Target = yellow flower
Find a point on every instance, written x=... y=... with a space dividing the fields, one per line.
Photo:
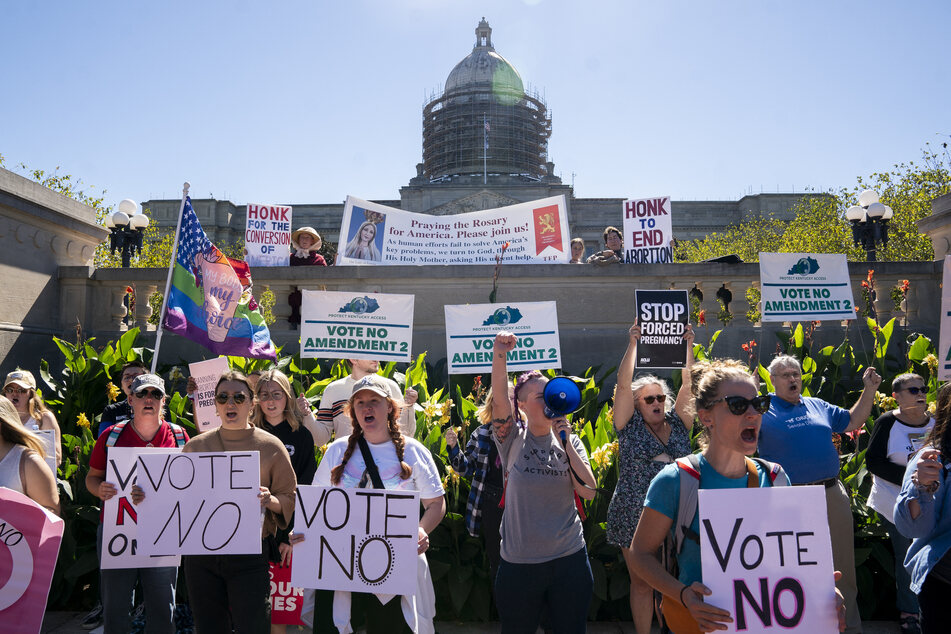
x=932 y=362
x=82 y=421
x=176 y=373
x=932 y=407
x=112 y=391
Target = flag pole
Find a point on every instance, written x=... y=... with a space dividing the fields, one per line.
x=485 y=152
x=168 y=279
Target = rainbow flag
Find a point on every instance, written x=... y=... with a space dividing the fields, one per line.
x=210 y=299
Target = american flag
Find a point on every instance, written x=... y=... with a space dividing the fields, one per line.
x=192 y=240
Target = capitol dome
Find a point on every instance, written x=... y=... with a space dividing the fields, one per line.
x=484 y=122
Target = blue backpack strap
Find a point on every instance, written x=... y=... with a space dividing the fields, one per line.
x=179 y=435
x=115 y=433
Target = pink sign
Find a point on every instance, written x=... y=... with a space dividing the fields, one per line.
x=286 y=602
x=29 y=543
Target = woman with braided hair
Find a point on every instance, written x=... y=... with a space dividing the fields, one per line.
x=403 y=463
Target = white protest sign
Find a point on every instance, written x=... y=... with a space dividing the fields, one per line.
x=944 y=340
x=767 y=557
x=662 y=316
x=471 y=330
x=362 y=540
x=535 y=232
x=206 y=375
x=267 y=235
x=120 y=517
x=356 y=325
x=648 y=230
x=805 y=287
x=200 y=503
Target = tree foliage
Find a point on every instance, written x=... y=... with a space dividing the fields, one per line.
x=820 y=225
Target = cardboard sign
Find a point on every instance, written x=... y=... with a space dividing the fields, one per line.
x=286 y=600
x=805 y=287
x=354 y=325
x=535 y=231
x=767 y=556
x=267 y=235
x=662 y=316
x=29 y=544
x=206 y=374
x=200 y=503
x=120 y=529
x=648 y=230
x=944 y=340
x=471 y=330
x=362 y=540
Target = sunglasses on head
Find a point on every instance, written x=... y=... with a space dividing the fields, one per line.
x=149 y=393
x=915 y=390
x=738 y=405
x=237 y=397
x=660 y=398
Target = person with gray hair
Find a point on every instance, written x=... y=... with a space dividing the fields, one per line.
x=652 y=431
x=797 y=433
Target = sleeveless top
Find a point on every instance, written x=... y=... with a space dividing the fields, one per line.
x=10 y=469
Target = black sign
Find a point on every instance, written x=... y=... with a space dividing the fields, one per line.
x=663 y=317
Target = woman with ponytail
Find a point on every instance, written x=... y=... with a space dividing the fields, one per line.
x=403 y=463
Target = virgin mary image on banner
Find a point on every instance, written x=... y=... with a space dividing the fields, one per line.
x=366 y=237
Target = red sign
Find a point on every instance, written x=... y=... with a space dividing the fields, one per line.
x=547 y=228
x=29 y=543
x=286 y=602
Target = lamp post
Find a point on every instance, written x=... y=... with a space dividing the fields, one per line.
x=869 y=221
x=126 y=227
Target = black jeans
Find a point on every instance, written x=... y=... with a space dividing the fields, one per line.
x=563 y=586
x=229 y=592
x=933 y=600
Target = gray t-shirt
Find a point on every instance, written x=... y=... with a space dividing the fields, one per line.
x=540 y=522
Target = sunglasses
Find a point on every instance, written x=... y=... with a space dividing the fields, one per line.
x=270 y=396
x=915 y=390
x=738 y=405
x=149 y=394
x=237 y=397
x=660 y=398
x=13 y=389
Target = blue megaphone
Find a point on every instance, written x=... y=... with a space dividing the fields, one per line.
x=562 y=396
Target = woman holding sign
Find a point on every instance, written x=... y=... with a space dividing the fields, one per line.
x=920 y=514
x=652 y=431
x=396 y=462
x=727 y=403
x=544 y=558
x=232 y=591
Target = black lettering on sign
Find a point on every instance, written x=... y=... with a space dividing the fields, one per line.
x=347 y=570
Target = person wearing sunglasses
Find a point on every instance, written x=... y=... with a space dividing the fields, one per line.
x=727 y=403
x=896 y=437
x=145 y=429
x=652 y=431
x=20 y=389
x=797 y=433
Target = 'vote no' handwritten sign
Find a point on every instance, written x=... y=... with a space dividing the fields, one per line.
x=200 y=503
x=767 y=557
x=362 y=540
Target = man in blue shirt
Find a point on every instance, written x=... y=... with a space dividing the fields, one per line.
x=797 y=433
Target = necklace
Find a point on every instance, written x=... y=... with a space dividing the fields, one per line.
x=147 y=441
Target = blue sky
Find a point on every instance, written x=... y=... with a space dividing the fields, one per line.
x=307 y=102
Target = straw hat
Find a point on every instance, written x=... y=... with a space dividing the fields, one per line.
x=309 y=231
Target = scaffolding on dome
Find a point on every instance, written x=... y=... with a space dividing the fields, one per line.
x=457 y=143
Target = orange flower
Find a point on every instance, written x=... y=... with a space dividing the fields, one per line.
x=702 y=318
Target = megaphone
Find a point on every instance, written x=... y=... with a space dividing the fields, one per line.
x=562 y=396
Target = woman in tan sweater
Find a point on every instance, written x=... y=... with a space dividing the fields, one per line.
x=231 y=592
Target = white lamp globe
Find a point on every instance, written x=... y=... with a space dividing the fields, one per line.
x=876 y=210
x=120 y=219
x=854 y=213
x=128 y=207
x=868 y=197
x=888 y=213
x=107 y=222
x=140 y=221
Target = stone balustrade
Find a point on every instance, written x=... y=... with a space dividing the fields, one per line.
x=595 y=304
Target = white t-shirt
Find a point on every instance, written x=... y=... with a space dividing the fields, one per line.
x=425 y=476
x=903 y=443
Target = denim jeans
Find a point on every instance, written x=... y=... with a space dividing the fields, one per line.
x=563 y=586
x=116 y=586
x=906 y=600
x=229 y=592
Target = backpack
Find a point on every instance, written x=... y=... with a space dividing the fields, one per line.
x=677 y=617
x=118 y=427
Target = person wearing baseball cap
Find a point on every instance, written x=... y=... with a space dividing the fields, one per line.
x=20 y=389
x=145 y=429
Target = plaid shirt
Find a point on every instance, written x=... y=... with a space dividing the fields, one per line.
x=474 y=462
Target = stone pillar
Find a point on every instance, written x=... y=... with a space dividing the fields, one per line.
x=938 y=226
